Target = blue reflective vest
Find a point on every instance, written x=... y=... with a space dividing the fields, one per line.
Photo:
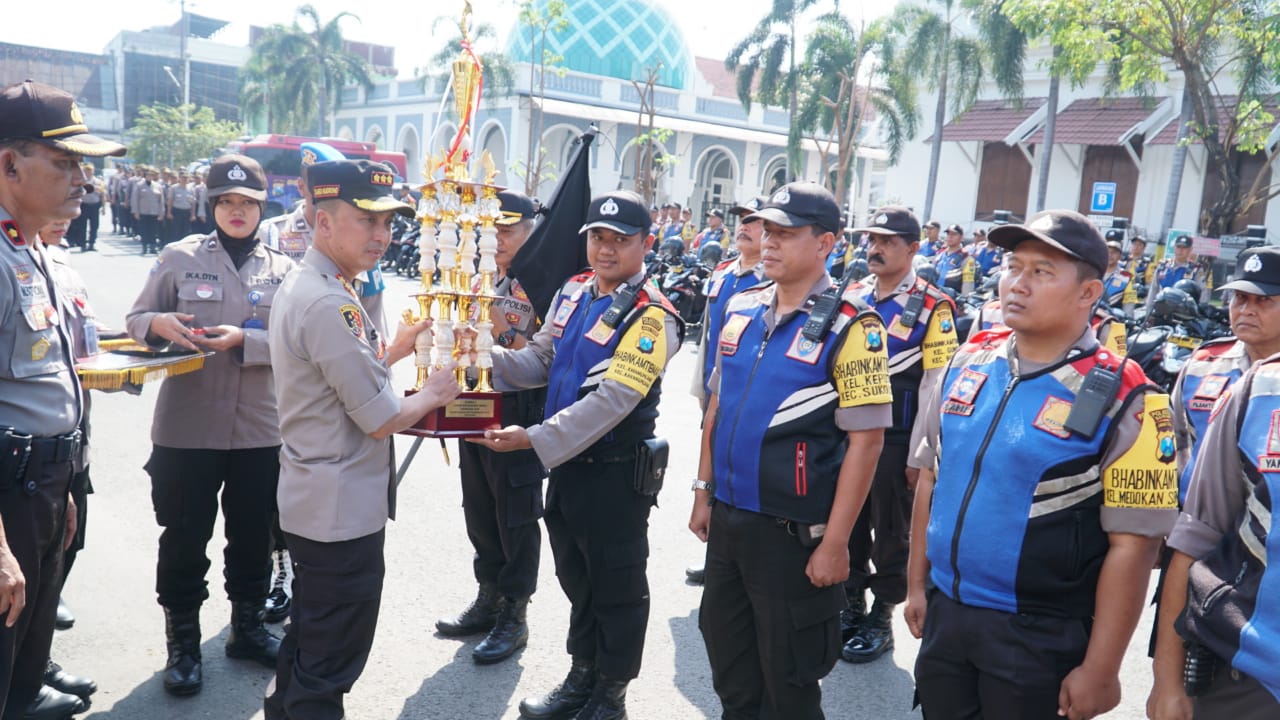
x=725 y=282
x=1014 y=524
x=1210 y=371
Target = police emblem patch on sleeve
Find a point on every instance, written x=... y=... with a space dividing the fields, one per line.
x=354 y=320
x=873 y=334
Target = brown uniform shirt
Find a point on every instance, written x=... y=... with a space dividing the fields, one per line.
x=231 y=402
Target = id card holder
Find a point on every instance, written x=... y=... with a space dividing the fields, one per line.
x=1096 y=394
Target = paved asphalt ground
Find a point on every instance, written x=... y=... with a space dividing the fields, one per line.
x=413 y=674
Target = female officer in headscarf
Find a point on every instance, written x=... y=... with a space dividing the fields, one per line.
x=215 y=430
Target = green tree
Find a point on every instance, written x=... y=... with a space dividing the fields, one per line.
x=946 y=60
x=539 y=18
x=848 y=77
x=1209 y=43
x=497 y=71
x=764 y=64
x=162 y=135
x=295 y=74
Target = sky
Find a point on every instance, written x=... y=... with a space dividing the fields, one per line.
x=710 y=28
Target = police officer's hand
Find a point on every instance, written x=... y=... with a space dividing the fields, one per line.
x=509 y=438
x=172 y=327
x=913 y=475
x=13 y=587
x=1087 y=692
x=220 y=338
x=72 y=522
x=1169 y=703
x=916 y=609
x=406 y=336
x=700 y=518
x=442 y=386
x=829 y=563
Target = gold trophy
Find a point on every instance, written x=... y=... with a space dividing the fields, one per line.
x=458 y=217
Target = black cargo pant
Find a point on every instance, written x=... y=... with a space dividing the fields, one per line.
x=599 y=531
x=977 y=663
x=882 y=534
x=337 y=593
x=501 y=503
x=770 y=634
x=1235 y=696
x=185 y=484
x=34 y=510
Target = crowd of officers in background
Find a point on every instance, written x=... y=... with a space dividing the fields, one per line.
x=157 y=205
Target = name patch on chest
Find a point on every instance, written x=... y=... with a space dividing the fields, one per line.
x=731 y=333
x=803 y=349
x=1053 y=416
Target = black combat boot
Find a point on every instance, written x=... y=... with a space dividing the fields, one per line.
x=248 y=639
x=183 y=674
x=51 y=704
x=876 y=637
x=696 y=575
x=853 y=618
x=510 y=633
x=276 y=608
x=565 y=699
x=608 y=701
x=61 y=680
x=479 y=616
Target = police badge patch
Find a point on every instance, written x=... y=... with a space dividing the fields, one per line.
x=804 y=349
x=354 y=320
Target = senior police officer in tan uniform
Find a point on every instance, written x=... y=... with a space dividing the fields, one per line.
x=502 y=492
x=42 y=138
x=215 y=431
x=337 y=413
x=602 y=355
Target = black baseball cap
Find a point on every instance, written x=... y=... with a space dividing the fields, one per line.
x=34 y=111
x=1114 y=234
x=1068 y=231
x=516 y=206
x=799 y=204
x=621 y=211
x=893 y=220
x=717 y=212
x=954 y=228
x=1182 y=241
x=363 y=183
x=1115 y=245
x=1138 y=239
x=749 y=207
x=1257 y=271
x=237 y=174
x=933 y=224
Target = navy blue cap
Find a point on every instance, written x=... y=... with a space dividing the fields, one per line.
x=800 y=204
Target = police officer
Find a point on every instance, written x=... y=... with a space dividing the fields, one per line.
x=956 y=267
x=1117 y=283
x=332 y=372
x=602 y=355
x=931 y=246
x=1137 y=263
x=1055 y=480
x=146 y=202
x=42 y=138
x=502 y=492
x=987 y=255
x=214 y=293
x=1223 y=560
x=800 y=399
x=1179 y=267
x=920 y=321
x=180 y=206
x=727 y=279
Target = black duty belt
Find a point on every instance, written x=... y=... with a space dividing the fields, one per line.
x=19 y=450
x=604 y=459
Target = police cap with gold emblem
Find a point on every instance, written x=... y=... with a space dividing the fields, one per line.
x=362 y=183
x=515 y=206
x=35 y=111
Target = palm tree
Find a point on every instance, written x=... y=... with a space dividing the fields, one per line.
x=306 y=67
x=849 y=79
x=947 y=61
x=758 y=62
x=498 y=73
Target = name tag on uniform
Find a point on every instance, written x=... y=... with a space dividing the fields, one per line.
x=1211 y=387
x=563 y=313
x=963 y=393
x=601 y=333
x=1052 y=417
x=714 y=291
x=731 y=333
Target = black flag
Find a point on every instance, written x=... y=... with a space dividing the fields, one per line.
x=556 y=250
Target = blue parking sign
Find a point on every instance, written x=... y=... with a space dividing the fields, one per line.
x=1103 y=198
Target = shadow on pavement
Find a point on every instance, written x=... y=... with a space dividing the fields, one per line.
x=233 y=690
x=463 y=689
x=879 y=690
x=693 y=671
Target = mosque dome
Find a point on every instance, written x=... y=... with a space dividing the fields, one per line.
x=613 y=38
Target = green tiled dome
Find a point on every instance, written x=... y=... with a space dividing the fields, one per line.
x=613 y=38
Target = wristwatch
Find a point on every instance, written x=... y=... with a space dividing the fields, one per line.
x=506 y=338
x=703 y=485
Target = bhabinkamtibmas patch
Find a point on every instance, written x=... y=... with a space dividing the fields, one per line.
x=939 y=338
x=861 y=370
x=1146 y=476
x=641 y=354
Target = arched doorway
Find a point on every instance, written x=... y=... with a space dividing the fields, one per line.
x=716 y=182
x=408 y=145
x=774 y=175
x=558 y=144
x=627 y=177
x=494 y=140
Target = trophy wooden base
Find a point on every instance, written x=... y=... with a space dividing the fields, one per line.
x=468 y=416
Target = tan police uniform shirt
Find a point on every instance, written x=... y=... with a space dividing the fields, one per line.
x=82 y=327
x=39 y=391
x=230 y=403
x=560 y=438
x=336 y=481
